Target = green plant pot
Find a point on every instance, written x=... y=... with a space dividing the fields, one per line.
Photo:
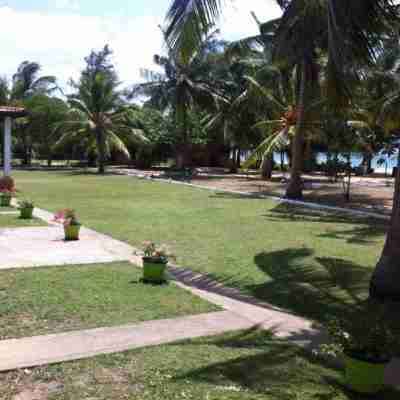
x=5 y=200
x=364 y=377
x=26 y=213
x=72 y=232
x=154 y=270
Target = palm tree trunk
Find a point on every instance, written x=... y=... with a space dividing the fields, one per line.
x=385 y=282
x=101 y=148
x=238 y=160
x=267 y=167
x=295 y=186
x=183 y=151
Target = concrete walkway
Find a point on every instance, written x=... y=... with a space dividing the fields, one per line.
x=43 y=350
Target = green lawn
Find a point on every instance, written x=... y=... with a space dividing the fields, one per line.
x=14 y=221
x=314 y=264
x=7 y=209
x=56 y=299
x=238 y=366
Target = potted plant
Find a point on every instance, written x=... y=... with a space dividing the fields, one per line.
x=155 y=260
x=71 y=223
x=26 y=208
x=5 y=197
x=366 y=344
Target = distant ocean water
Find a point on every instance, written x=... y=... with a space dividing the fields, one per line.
x=356 y=159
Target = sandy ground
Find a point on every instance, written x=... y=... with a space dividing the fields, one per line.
x=372 y=193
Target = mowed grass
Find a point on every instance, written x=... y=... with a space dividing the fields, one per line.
x=7 y=209
x=245 y=365
x=14 y=221
x=313 y=264
x=57 y=299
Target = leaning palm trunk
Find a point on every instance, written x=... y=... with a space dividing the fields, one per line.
x=295 y=187
x=385 y=282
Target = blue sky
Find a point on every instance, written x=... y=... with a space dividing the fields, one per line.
x=60 y=33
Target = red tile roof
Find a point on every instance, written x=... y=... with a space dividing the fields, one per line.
x=7 y=111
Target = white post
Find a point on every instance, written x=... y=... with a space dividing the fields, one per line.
x=7 y=146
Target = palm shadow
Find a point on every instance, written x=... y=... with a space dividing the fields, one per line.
x=273 y=368
x=318 y=288
x=360 y=230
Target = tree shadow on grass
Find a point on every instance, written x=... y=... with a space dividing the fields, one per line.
x=318 y=288
x=363 y=235
x=362 y=230
x=275 y=368
x=297 y=212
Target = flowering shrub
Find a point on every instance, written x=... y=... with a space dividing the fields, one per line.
x=66 y=217
x=25 y=204
x=7 y=184
x=151 y=250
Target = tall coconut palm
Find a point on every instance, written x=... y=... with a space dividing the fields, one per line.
x=100 y=117
x=184 y=83
x=349 y=31
x=385 y=80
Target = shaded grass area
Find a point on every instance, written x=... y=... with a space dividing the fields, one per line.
x=315 y=264
x=246 y=365
x=56 y=299
x=14 y=221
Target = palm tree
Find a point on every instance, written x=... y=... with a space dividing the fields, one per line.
x=26 y=82
x=100 y=117
x=348 y=31
x=25 y=85
x=384 y=82
x=184 y=84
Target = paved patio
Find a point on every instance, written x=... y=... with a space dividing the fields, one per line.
x=45 y=246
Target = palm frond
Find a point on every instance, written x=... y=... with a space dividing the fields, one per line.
x=188 y=22
x=266 y=147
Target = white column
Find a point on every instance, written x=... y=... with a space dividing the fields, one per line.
x=7 y=146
